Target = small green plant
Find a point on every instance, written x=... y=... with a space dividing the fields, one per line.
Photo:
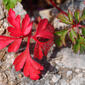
x=10 y=3
x=75 y=30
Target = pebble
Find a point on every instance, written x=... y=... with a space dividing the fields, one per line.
x=5 y=24
x=56 y=78
x=63 y=82
x=69 y=73
x=77 y=70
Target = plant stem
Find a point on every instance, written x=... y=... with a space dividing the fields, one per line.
x=52 y=2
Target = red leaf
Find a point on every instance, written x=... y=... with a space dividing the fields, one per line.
x=15 y=45
x=26 y=27
x=4 y=41
x=46 y=46
x=14 y=32
x=45 y=35
x=38 y=52
x=15 y=22
x=31 y=68
x=42 y=25
x=18 y=22
x=44 y=31
x=11 y=13
x=20 y=60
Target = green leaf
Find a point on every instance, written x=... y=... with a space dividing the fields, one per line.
x=77 y=15
x=58 y=42
x=72 y=36
x=82 y=40
x=70 y=16
x=63 y=18
x=19 y=0
x=76 y=47
x=83 y=31
x=10 y=3
x=83 y=15
x=5 y=1
x=62 y=35
x=62 y=32
x=82 y=48
x=80 y=45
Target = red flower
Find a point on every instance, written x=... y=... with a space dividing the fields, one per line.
x=44 y=38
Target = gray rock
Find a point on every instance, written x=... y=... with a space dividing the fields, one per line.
x=78 y=80
x=69 y=59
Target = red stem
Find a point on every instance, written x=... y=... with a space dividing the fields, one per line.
x=52 y=2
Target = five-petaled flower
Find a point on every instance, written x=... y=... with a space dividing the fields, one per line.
x=43 y=37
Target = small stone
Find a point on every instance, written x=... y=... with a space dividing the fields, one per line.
x=11 y=83
x=56 y=78
x=57 y=67
x=83 y=71
x=3 y=79
x=63 y=82
x=47 y=82
x=2 y=30
x=69 y=73
x=2 y=53
x=5 y=24
x=20 y=76
x=45 y=14
x=77 y=70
